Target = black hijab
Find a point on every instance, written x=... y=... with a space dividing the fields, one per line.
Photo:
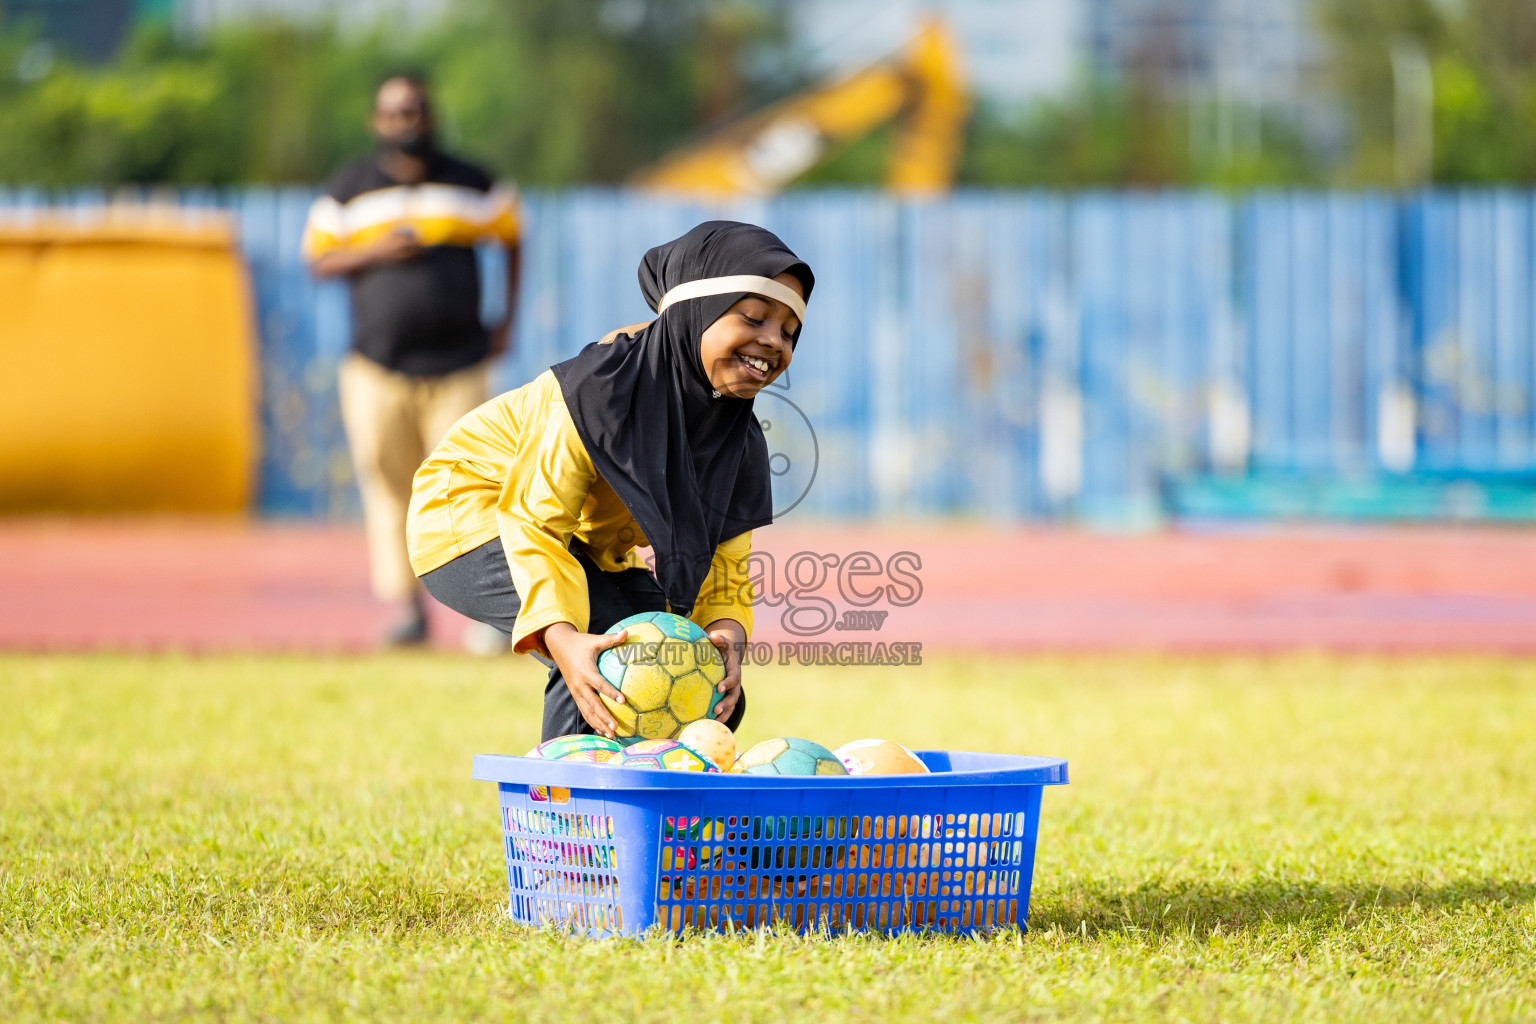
x=690 y=467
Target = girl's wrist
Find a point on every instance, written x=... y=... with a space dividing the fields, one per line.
x=737 y=631
x=552 y=635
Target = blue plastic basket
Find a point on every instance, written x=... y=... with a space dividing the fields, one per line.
x=617 y=851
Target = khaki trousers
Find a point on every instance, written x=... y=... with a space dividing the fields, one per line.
x=393 y=421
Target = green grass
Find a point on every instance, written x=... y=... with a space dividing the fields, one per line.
x=1243 y=839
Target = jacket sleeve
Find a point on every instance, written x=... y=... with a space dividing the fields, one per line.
x=504 y=222
x=324 y=229
x=727 y=590
x=536 y=515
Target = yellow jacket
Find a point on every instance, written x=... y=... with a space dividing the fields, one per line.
x=516 y=468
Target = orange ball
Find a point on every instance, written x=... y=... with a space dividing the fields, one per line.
x=711 y=738
x=879 y=757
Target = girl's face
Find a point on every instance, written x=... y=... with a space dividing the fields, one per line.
x=750 y=345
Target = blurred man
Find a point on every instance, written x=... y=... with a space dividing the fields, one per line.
x=400 y=226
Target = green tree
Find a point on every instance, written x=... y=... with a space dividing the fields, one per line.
x=1482 y=59
x=1114 y=136
x=549 y=91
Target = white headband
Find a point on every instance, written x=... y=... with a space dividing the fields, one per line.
x=728 y=285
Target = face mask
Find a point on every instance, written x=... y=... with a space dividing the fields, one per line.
x=418 y=145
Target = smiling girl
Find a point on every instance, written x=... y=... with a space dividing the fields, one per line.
x=529 y=513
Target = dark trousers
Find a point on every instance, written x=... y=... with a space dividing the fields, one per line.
x=479 y=585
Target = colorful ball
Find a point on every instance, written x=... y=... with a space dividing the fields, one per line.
x=667 y=670
x=712 y=738
x=879 y=757
x=789 y=755
x=596 y=755
x=650 y=746
x=666 y=754
x=557 y=748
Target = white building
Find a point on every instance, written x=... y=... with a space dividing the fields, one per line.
x=1258 y=51
x=1254 y=52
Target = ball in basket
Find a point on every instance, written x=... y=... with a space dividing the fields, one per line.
x=879 y=757
x=668 y=754
x=558 y=748
x=711 y=737
x=595 y=755
x=667 y=670
x=789 y=755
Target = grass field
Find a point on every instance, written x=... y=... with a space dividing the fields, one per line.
x=289 y=839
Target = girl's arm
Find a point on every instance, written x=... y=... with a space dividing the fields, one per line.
x=724 y=611
x=537 y=516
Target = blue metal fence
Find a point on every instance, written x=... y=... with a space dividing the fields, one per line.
x=1023 y=355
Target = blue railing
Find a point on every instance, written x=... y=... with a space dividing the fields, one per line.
x=1011 y=355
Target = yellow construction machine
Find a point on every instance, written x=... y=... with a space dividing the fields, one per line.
x=764 y=152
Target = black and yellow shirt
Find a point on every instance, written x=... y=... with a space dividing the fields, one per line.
x=419 y=316
x=516 y=468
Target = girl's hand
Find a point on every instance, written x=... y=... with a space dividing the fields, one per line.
x=729 y=637
x=576 y=654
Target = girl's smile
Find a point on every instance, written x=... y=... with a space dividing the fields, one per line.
x=756 y=365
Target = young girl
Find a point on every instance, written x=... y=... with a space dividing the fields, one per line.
x=528 y=514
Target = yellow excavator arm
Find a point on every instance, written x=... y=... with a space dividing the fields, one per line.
x=764 y=152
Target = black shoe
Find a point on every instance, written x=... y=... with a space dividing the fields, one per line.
x=409 y=631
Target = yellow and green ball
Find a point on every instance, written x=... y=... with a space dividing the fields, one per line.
x=789 y=755
x=667 y=670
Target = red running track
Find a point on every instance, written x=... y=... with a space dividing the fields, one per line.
x=213 y=585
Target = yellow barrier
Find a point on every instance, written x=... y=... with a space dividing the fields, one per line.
x=127 y=364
